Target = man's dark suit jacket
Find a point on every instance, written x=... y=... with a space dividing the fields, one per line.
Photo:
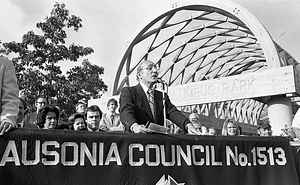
x=134 y=108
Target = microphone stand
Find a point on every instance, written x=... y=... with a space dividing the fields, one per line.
x=164 y=92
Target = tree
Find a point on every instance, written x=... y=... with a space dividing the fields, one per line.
x=82 y=82
x=37 y=60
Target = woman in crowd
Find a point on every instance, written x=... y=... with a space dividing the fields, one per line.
x=47 y=117
x=230 y=128
x=76 y=122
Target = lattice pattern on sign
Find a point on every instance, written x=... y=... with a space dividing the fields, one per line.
x=244 y=111
x=196 y=43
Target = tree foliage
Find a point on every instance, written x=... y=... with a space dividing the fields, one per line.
x=37 y=59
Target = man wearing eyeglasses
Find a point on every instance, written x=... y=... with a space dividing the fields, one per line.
x=137 y=107
x=31 y=118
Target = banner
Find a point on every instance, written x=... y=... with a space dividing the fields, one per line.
x=37 y=157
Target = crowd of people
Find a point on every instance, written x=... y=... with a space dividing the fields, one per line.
x=84 y=118
x=92 y=118
x=230 y=127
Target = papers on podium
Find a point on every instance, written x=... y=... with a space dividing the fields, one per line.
x=157 y=128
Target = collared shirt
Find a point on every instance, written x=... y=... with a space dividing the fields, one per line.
x=21 y=124
x=111 y=114
x=146 y=91
x=145 y=88
x=98 y=130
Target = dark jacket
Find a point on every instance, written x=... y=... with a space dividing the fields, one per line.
x=134 y=108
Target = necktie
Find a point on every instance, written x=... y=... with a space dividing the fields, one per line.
x=112 y=119
x=151 y=101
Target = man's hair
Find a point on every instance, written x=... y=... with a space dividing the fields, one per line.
x=80 y=102
x=263 y=124
x=93 y=108
x=41 y=117
x=112 y=100
x=42 y=96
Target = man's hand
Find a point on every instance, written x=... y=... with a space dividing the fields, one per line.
x=104 y=128
x=140 y=129
x=192 y=130
x=5 y=126
x=296 y=132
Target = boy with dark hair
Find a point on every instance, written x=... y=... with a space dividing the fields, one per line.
x=110 y=121
x=93 y=116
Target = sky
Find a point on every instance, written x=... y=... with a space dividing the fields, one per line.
x=109 y=24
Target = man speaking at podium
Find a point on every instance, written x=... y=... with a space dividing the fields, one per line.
x=141 y=104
